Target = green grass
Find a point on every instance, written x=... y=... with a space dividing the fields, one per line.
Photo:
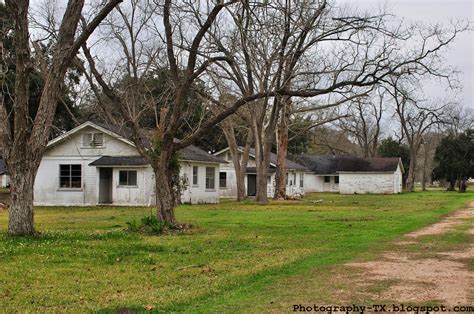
x=84 y=260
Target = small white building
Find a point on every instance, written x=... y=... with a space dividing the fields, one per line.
x=96 y=164
x=4 y=178
x=295 y=183
x=353 y=175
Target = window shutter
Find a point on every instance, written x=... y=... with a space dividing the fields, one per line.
x=98 y=139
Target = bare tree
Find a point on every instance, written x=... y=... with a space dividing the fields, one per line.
x=24 y=139
x=416 y=118
x=363 y=123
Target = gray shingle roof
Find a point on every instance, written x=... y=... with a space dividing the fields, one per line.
x=253 y=170
x=119 y=161
x=334 y=164
x=3 y=167
x=290 y=165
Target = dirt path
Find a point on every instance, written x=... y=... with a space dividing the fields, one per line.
x=421 y=271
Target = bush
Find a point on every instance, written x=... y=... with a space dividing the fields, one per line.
x=147 y=225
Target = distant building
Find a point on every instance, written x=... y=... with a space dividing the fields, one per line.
x=295 y=183
x=353 y=175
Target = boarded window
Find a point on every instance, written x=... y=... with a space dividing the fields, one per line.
x=70 y=176
x=336 y=179
x=195 y=175
x=87 y=139
x=327 y=179
x=210 y=178
x=128 y=178
x=223 y=180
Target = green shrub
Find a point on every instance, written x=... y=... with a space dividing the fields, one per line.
x=149 y=225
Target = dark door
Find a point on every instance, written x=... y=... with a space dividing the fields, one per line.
x=105 y=185
x=251 y=184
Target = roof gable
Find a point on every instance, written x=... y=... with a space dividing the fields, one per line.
x=190 y=153
x=68 y=134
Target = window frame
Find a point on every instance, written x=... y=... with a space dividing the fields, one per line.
x=195 y=176
x=327 y=179
x=70 y=177
x=208 y=179
x=92 y=140
x=336 y=179
x=128 y=171
x=225 y=180
x=301 y=179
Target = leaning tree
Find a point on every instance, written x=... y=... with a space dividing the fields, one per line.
x=24 y=137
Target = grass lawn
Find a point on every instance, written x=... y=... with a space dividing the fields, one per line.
x=84 y=260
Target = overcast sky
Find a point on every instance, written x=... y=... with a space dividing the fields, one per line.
x=461 y=54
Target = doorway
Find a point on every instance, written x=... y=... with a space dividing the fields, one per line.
x=105 y=185
x=251 y=184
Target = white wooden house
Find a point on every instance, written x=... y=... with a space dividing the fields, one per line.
x=295 y=183
x=353 y=175
x=4 y=178
x=96 y=164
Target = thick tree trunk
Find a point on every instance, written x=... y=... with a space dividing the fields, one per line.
x=21 y=211
x=240 y=175
x=262 y=173
x=165 y=190
x=282 y=151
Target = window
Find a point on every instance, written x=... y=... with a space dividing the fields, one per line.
x=287 y=178
x=327 y=179
x=336 y=179
x=70 y=176
x=128 y=178
x=223 y=180
x=301 y=179
x=195 y=175
x=93 y=140
x=294 y=178
x=210 y=178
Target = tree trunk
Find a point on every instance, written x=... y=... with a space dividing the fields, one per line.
x=462 y=186
x=165 y=191
x=423 y=181
x=240 y=163
x=262 y=161
x=451 y=185
x=21 y=211
x=282 y=151
x=411 y=172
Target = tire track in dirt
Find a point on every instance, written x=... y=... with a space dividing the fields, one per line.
x=444 y=278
